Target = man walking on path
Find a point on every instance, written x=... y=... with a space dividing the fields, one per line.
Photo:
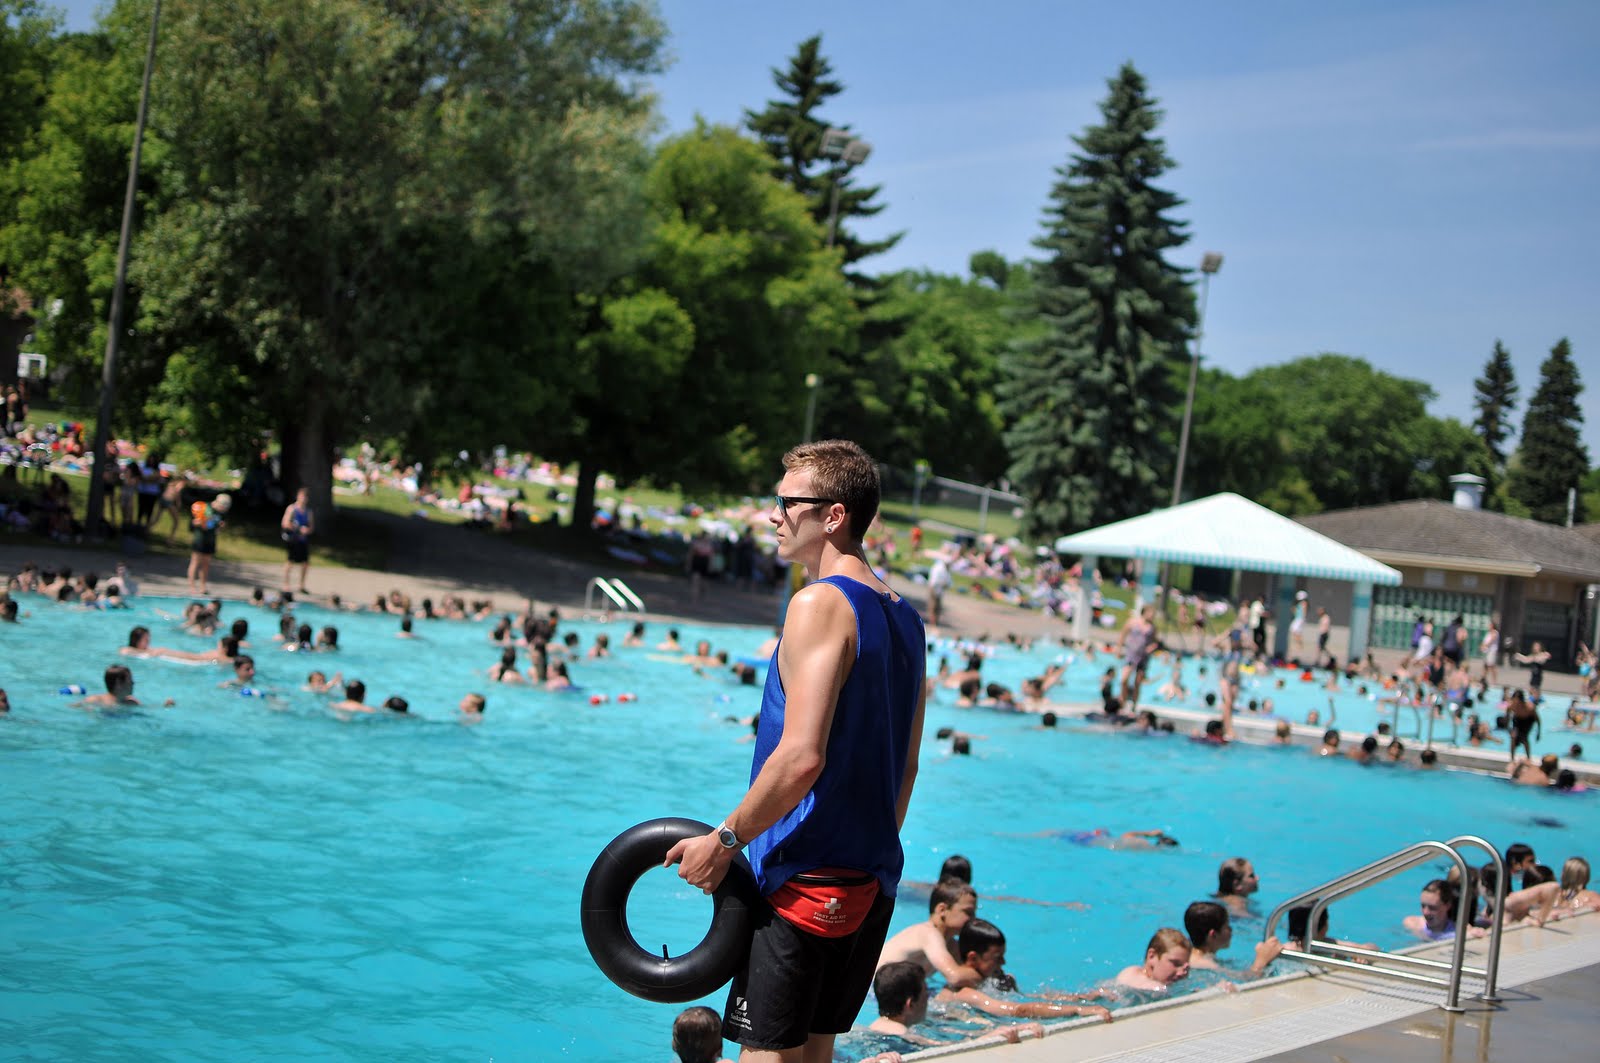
x=297 y=525
x=835 y=759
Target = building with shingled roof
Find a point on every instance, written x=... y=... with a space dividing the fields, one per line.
x=1541 y=581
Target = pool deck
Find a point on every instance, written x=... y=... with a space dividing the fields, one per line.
x=1549 y=988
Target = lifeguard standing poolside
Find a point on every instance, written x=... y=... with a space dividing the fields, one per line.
x=835 y=759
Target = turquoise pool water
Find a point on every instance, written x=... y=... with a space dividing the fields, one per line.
x=257 y=879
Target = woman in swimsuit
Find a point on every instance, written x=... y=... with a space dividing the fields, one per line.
x=1138 y=639
x=1437 y=921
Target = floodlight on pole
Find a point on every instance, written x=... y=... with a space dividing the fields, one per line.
x=812 y=383
x=119 y=287
x=1210 y=263
x=847 y=150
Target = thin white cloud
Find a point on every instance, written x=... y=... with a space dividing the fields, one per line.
x=1496 y=139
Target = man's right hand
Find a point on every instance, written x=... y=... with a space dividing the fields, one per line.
x=703 y=861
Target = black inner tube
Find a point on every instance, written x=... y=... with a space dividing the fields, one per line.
x=664 y=979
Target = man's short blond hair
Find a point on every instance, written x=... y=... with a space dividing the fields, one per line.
x=842 y=471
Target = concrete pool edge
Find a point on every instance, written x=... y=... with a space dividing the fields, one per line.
x=1290 y=1011
x=1251 y=730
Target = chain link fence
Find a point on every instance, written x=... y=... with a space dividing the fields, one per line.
x=953 y=507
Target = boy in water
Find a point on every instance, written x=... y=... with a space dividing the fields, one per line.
x=902 y=995
x=697 y=1036
x=982 y=947
x=119 y=691
x=951 y=905
x=1211 y=931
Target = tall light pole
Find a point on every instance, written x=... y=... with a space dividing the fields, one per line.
x=812 y=381
x=108 y=372
x=1208 y=266
x=845 y=148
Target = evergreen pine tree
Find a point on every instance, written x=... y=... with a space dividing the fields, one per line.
x=1091 y=405
x=1496 y=398
x=791 y=130
x=1552 y=457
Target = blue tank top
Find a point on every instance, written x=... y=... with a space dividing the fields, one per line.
x=848 y=817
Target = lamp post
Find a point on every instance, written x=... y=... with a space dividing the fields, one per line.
x=845 y=148
x=108 y=372
x=1209 y=265
x=812 y=382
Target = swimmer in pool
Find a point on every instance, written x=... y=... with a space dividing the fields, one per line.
x=1236 y=881
x=472 y=706
x=319 y=683
x=1100 y=838
x=928 y=944
x=1166 y=962
x=506 y=670
x=355 y=693
x=244 y=670
x=697 y=1036
x=1571 y=896
x=982 y=947
x=119 y=691
x=139 y=646
x=1211 y=931
x=901 y=991
x=559 y=679
x=1437 y=922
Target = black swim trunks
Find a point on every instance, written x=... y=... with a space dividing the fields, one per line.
x=797 y=984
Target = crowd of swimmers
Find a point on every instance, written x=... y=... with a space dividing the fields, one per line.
x=1124 y=703
x=533 y=634
x=943 y=979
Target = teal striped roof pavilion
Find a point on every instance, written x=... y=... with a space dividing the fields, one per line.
x=1229 y=531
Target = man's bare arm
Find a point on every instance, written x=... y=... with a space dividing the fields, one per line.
x=814 y=660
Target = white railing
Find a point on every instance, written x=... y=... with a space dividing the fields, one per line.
x=614 y=590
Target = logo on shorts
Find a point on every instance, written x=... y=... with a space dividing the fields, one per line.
x=740 y=1016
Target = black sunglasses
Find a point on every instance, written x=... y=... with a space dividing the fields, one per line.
x=785 y=501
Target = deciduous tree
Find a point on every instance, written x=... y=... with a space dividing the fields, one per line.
x=691 y=369
x=380 y=213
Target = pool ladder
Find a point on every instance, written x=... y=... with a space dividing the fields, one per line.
x=1327 y=953
x=613 y=589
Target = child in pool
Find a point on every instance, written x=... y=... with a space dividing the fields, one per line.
x=1166 y=962
x=902 y=995
x=982 y=947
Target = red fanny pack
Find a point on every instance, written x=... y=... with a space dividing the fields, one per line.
x=831 y=902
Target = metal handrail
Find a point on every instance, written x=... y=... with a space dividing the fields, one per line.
x=619 y=592
x=603 y=585
x=1387 y=867
x=627 y=592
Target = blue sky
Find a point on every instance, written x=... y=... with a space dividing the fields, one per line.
x=1405 y=180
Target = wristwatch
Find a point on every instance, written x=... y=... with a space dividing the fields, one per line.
x=726 y=836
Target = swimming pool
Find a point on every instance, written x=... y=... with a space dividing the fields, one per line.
x=234 y=876
x=1355 y=706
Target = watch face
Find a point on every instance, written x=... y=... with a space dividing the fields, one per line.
x=728 y=839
